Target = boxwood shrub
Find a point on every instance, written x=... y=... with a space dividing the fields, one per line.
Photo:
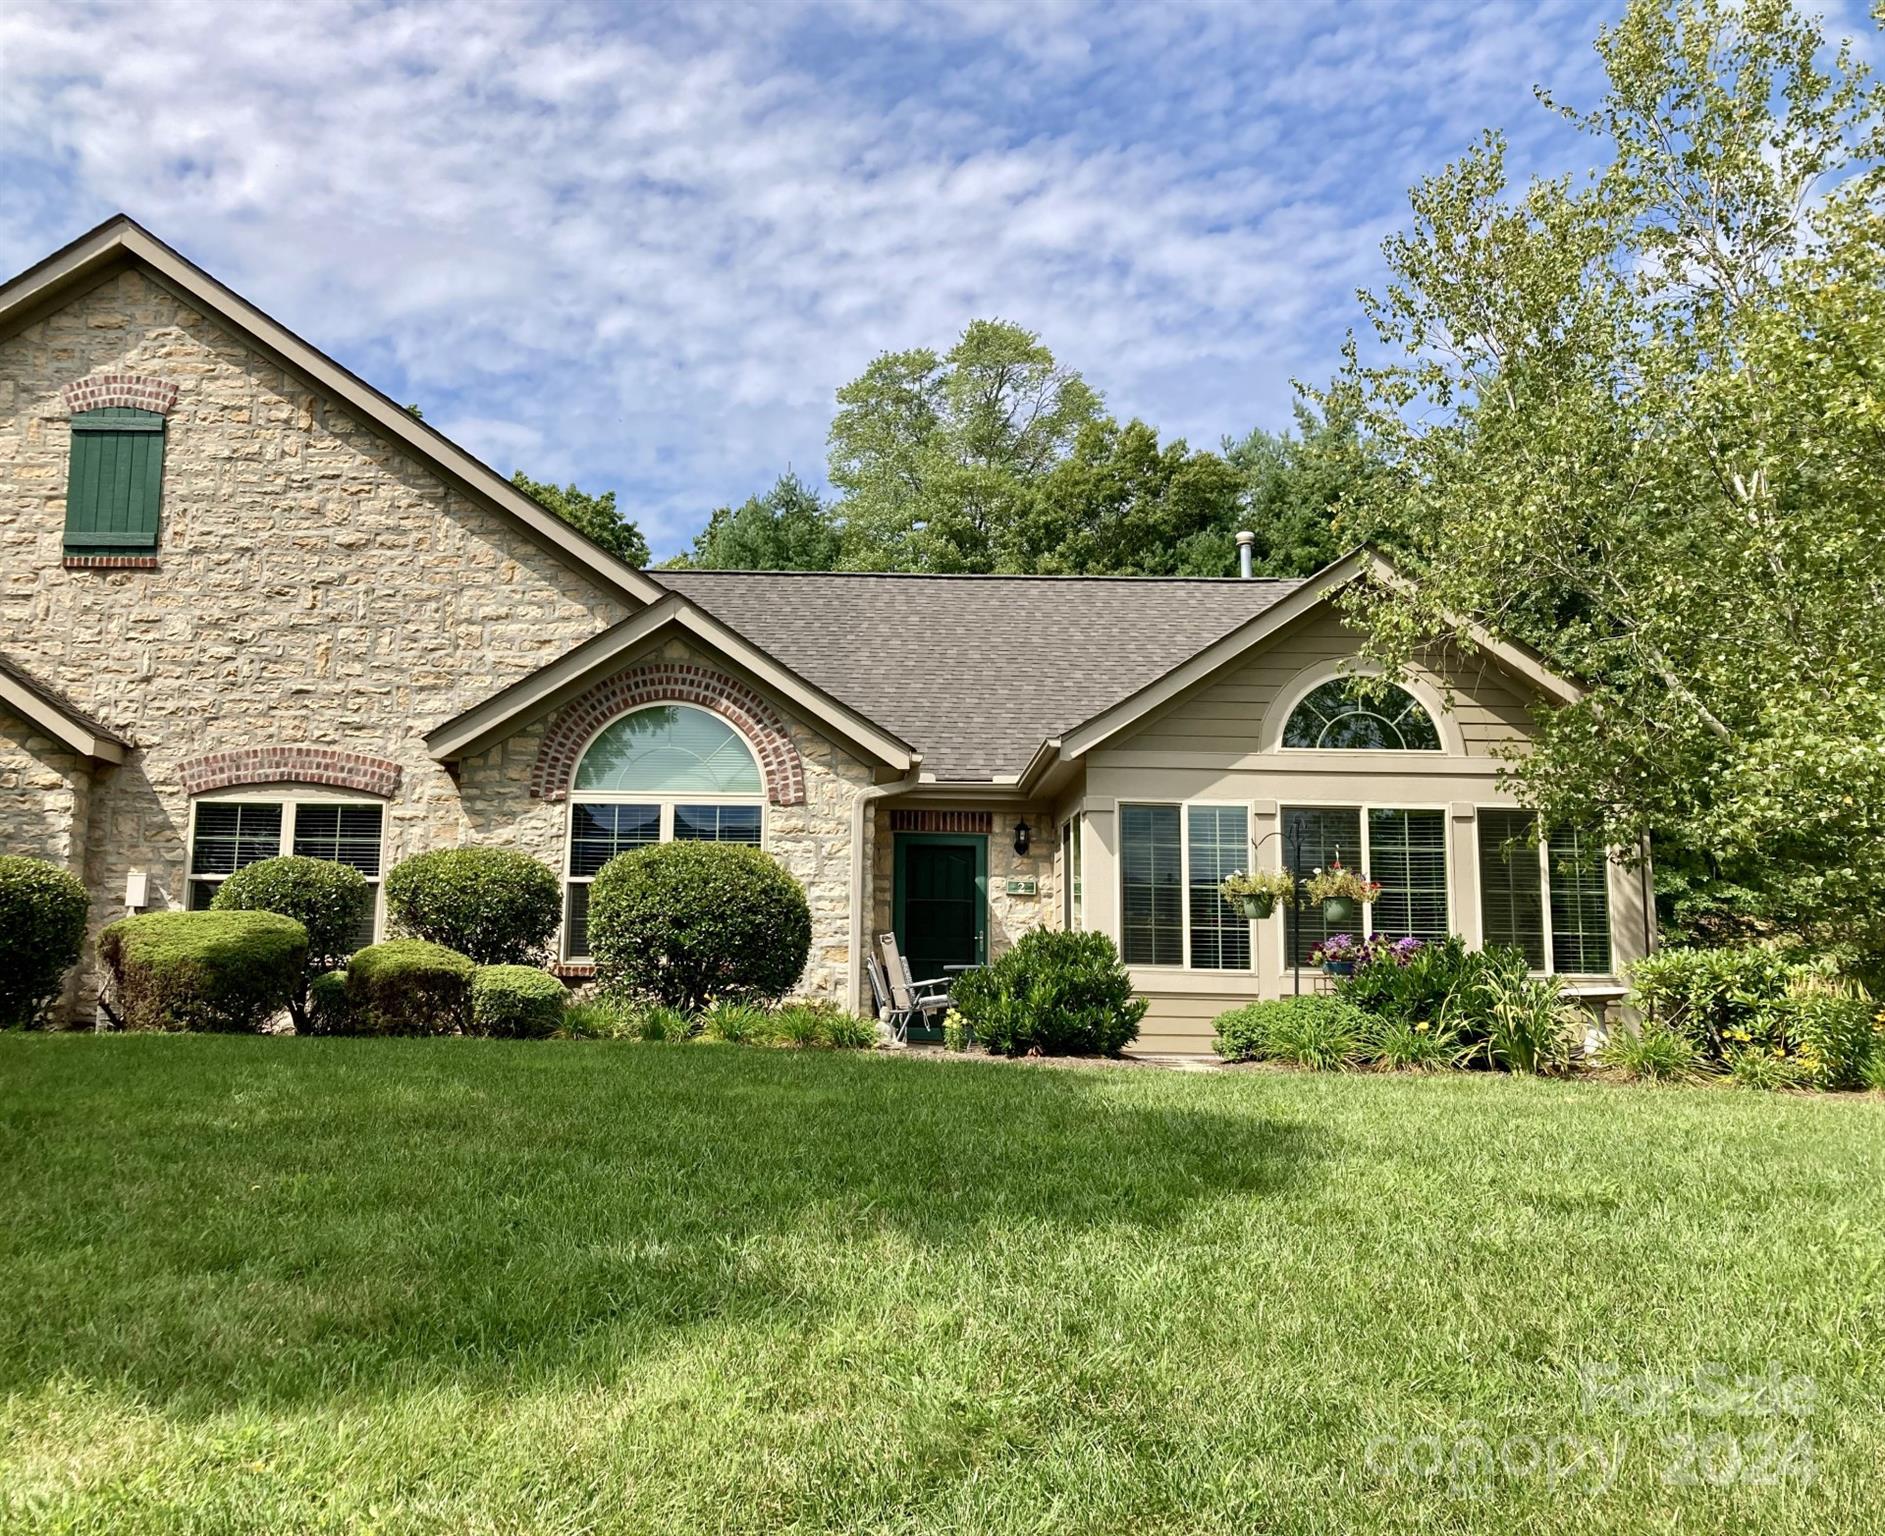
x=1058 y=993
x=409 y=987
x=327 y=1005
x=327 y=899
x=689 y=923
x=42 y=924
x=496 y=905
x=516 y=1002
x=229 y=972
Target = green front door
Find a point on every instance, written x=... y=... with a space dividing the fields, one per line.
x=941 y=904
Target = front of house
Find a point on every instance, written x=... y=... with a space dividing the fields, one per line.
x=250 y=606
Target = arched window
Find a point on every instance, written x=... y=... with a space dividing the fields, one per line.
x=671 y=748
x=666 y=772
x=1338 y=716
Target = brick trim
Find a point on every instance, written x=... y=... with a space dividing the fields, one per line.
x=136 y=390
x=291 y=765
x=979 y=822
x=670 y=683
x=110 y=562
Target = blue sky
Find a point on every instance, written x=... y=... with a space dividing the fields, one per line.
x=640 y=246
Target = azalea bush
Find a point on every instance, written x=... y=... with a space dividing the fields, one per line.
x=1054 y=992
x=42 y=923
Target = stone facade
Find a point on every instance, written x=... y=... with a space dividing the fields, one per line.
x=45 y=794
x=314 y=587
x=1009 y=914
x=811 y=838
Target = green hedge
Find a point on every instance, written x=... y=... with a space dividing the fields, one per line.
x=42 y=925
x=1058 y=993
x=229 y=972
x=516 y=1002
x=496 y=905
x=409 y=987
x=688 y=923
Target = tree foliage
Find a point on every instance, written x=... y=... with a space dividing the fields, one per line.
x=1636 y=423
x=594 y=516
x=787 y=529
x=936 y=454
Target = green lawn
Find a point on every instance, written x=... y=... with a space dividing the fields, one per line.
x=287 y=1285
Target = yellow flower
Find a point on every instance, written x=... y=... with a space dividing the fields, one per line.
x=1421 y=1027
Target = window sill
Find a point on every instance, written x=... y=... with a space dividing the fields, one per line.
x=74 y=562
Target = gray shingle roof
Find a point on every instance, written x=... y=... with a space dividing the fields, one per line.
x=58 y=702
x=976 y=671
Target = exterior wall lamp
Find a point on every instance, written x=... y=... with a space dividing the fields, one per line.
x=1021 y=837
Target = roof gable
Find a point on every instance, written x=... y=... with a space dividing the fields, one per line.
x=119 y=242
x=24 y=695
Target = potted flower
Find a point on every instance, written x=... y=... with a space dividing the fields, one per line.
x=1257 y=893
x=1341 y=892
x=1337 y=954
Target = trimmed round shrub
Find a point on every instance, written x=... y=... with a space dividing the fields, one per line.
x=496 y=905
x=327 y=1005
x=688 y=923
x=229 y=972
x=1062 y=994
x=327 y=899
x=42 y=924
x=516 y=1002
x=409 y=987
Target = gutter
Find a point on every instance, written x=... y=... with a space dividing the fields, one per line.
x=860 y=809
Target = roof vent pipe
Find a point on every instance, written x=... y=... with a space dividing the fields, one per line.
x=1245 y=539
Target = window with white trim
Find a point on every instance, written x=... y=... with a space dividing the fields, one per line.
x=1548 y=896
x=230 y=832
x=1404 y=848
x=1171 y=859
x=669 y=772
x=1072 y=893
x=1348 y=714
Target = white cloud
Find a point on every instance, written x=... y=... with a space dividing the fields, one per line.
x=641 y=248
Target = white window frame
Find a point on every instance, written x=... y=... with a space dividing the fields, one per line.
x=290 y=797
x=1445 y=723
x=664 y=801
x=1544 y=894
x=1365 y=867
x=1073 y=873
x=1183 y=807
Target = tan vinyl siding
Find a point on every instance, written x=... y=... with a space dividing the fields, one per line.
x=1231 y=714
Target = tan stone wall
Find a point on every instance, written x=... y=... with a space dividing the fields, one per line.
x=812 y=840
x=315 y=583
x=1009 y=916
x=44 y=790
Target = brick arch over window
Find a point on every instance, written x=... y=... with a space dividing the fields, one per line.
x=138 y=391
x=328 y=766
x=670 y=683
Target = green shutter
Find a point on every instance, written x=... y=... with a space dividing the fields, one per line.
x=1511 y=897
x=1580 y=904
x=115 y=480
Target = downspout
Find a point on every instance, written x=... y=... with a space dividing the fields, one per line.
x=860 y=811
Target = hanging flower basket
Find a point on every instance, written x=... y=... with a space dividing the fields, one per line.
x=1256 y=894
x=1341 y=892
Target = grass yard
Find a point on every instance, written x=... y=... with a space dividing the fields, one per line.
x=405 y=1286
